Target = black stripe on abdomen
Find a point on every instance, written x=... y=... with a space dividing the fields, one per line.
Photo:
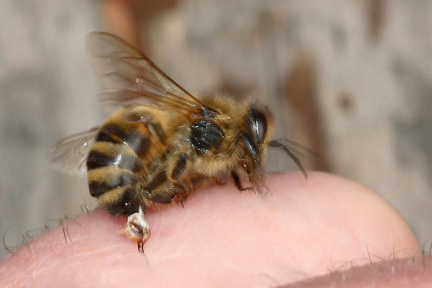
x=132 y=135
x=115 y=189
x=98 y=159
x=98 y=187
x=126 y=204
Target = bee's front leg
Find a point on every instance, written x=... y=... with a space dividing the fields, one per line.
x=238 y=184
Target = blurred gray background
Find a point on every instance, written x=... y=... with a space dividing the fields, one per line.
x=350 y=79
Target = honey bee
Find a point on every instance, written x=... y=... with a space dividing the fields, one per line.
x=161 y=143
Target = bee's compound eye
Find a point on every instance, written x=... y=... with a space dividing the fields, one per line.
x=250 y=146
x=259 y=125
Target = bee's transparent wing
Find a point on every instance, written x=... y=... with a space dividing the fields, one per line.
x=128 y=77
x=70 y=154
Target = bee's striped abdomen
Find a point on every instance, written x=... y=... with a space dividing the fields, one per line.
x=116 y=164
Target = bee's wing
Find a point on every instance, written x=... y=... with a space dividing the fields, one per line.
x=70 y=154
x=128 y=77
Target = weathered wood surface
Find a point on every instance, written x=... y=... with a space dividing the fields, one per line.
x=350 y=79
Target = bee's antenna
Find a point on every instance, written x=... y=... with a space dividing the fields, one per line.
x=277 y=144
x=299 y=146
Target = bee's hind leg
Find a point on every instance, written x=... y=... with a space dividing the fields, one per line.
x=137 y=228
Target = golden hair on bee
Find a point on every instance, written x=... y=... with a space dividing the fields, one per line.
x=161 y=143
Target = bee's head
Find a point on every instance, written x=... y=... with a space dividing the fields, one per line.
x=255 y=136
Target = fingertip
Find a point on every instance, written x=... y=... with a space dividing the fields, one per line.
x=303 y=228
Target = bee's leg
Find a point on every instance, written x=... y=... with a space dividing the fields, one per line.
x=137 y=228
x=176 y=192
x=238 y=183
x=165 y=195
x=181 y=186
x=189 y=184
x=179 y=166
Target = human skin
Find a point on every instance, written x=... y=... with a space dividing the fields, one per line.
x=325 y=226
